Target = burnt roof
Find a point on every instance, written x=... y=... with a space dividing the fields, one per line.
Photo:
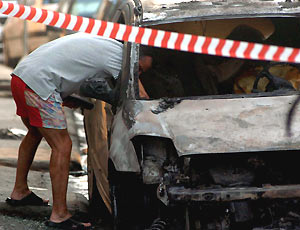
x=167 y=11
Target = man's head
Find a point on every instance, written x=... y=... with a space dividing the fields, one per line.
x=146 y=59
x=145 y=63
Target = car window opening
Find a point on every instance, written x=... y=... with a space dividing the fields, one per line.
x=85 y=8
x=181 y=74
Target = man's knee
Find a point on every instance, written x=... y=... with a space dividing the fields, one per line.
x=65 y=145
x=68 y=143
x=58 y=139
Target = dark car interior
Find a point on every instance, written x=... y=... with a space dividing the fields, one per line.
x=183 y=74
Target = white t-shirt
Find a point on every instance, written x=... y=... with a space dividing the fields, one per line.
x=60 y=66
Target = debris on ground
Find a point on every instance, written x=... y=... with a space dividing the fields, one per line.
x=12 y=133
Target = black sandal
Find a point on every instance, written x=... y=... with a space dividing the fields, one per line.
x=67 y=224
x=31 y=199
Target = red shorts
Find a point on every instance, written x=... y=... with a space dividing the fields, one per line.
x=41 y=113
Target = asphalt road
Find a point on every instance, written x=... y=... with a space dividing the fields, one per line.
x=11 y=133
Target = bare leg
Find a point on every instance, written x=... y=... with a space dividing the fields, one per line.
x=61 y=145
x=27 y=152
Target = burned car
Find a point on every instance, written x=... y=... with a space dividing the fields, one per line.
x=207 y=148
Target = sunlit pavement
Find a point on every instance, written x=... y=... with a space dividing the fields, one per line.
x=39 y=183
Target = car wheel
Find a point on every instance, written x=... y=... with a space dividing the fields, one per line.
x=115 y=207
x=98 y=212
x=126 y=201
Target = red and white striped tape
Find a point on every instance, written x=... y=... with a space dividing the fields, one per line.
x=152 y=37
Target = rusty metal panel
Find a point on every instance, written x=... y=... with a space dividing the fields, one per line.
x=232 y=194
x=161 y=12
x=96 y=130
x=219 y=125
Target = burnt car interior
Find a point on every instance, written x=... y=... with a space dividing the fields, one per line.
x=181 y=74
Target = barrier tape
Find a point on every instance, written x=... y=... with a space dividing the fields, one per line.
x=152 y=37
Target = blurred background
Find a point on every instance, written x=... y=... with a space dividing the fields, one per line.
x=19 y=37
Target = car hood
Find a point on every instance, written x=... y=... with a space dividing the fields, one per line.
x=216 y=125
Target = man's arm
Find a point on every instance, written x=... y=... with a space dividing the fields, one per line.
x=142 y=92
x=100 y=89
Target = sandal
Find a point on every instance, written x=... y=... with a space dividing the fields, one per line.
x=67 y=224
x=31 y=199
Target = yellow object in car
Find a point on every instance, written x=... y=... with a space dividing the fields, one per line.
x=244 y=82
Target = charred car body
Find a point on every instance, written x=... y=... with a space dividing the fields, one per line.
x=208 y=150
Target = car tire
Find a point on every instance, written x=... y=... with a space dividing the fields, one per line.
x=126 y=201
x=98 y=212
x=114 y=198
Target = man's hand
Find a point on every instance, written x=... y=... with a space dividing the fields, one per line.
x=143 y=93
x=75 y=101
x=70 y=103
